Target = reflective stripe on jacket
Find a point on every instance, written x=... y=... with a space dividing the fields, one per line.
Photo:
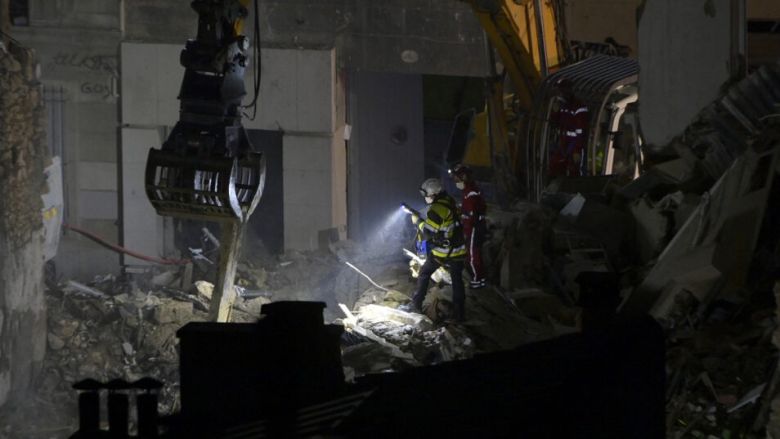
x=442 y=228
x=472 y=209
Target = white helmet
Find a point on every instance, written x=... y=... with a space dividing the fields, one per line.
x=431 y=187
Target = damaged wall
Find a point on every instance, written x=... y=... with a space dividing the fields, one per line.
x=595 y=21
x=22 y=155
x=76 y=43
x=408 y=36
x=684 y=51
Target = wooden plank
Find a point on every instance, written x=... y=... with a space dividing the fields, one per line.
x=224 y=294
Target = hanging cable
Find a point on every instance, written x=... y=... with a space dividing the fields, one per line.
x=256 y=71
x=120 y=249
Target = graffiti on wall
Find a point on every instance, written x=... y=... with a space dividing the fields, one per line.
x=94 y=88
x=585 y=49
x=94 y=63
x=97 y=74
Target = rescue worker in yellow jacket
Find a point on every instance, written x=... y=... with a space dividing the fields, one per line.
x=446 y=247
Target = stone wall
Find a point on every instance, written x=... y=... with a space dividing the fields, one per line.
x=22 y=155
x=80 y=71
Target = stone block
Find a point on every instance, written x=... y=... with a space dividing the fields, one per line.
x=172 y=311
x=55 y=343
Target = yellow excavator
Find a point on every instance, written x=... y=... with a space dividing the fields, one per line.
x=525 y=36
x=511 y=138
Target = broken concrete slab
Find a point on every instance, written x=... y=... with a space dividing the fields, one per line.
x=718 y=237
x=383 y=313
x=572 y=209
x=204 y=288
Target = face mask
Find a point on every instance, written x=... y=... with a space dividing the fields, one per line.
x=460 y=185
x=429 y=200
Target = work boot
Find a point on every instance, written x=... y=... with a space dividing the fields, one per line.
x=410 y=307
x=477 y=284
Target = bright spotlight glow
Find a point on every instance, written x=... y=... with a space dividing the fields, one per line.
x=390 y=230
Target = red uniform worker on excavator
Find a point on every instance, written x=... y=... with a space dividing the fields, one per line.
x=572 y=120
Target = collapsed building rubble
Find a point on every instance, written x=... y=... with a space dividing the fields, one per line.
x=125 y=327
x=721 y=373
x=690 y=243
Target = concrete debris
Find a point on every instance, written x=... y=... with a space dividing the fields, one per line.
x=749 y=398
x=572 y=209
x=250 y=294
x=393 y=296
x=382 y=313
x=164 y=279
x=665 y=244
x=196 y=301
x=250 y=276
x=722 y=352
x=407 y=339
x=173 y=312
x=78 y=288
x=55 y=343
x=106 y=334
x=351 y=323
x=127 y=348
x=205 y=289
x=248 y=309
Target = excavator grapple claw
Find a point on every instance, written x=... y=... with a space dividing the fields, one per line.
x=207 y=169
x=218 y=188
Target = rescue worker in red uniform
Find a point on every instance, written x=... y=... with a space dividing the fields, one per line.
x=472 y=217
x=572 y=120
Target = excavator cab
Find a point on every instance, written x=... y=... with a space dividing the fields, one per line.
x=207 y=168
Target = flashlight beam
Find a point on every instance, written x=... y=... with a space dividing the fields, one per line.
x=366 y=276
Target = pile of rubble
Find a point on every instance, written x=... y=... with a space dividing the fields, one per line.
x=107 y=329
x=126 y=327
x=381 y=338
x=722 y=375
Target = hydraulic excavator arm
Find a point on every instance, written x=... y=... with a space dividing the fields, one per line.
x=524 y=34
x=207 y=169
x=505 y=23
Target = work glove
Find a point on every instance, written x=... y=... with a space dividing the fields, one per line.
x=415 y=218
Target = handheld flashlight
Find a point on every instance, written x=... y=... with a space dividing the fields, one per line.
x=408 y=209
